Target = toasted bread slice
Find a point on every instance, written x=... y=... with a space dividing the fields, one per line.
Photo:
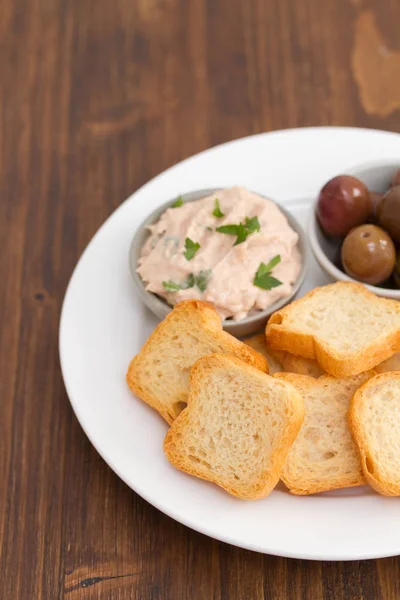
x=279 y=361
x=258 y=343
x=324 y=456
x=297 y=364
x=237 y=428
x=343 y=326
x=391 y=364
x=374 y=419
x=159 y=374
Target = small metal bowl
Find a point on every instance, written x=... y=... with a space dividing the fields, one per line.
x=161 y=308
x=377 y=177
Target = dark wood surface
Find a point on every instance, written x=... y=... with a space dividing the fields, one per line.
x=97 y=97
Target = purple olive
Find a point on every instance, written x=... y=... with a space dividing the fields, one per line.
x=343 y=203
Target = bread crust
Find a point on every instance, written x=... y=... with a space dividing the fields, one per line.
x=370 y=464
x=311 y=346
x=182 y=430
x=187 y=314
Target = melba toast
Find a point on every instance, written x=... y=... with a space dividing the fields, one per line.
x=324 y=456
x=375 y=423
x=159 y=374
x=343 y=326
x=238 y=426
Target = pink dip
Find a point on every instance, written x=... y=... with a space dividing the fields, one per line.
x=228 y=271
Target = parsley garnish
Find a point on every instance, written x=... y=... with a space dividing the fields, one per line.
x=242 y=230
x=172 y=286
x=229 y=229
x=202 y=279
x=217 y=212
x=263 y=278
x=242 y=234
x=252 y=225
x=189 y=283
x=191 y=248
x=178 y=202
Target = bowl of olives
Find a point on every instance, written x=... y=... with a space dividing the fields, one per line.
x=354 y=228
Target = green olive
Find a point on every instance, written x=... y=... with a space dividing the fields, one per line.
x=368 y=254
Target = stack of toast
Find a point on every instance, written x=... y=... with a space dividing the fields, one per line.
x=315 y=401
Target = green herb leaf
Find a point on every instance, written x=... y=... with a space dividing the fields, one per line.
x=208 y=228
x=172 y=286
x=239 y=230
x=263 y=278
x=242 y=234
x=202 y=279
x=273 y=262
x=267 y=282
x=252 y=225
x=242 y=230
x=270 y=282
x=178 y=202
x=191 y=248
x=229 y=229
x=217 y=212
x=263 y=270
x=189 y=282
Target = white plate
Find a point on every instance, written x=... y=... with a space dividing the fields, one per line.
x=103 y=325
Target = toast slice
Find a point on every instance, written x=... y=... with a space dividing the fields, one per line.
x=258 y=343
x=324 y=456
x=238 y=426
x=343 y=326
x=374 y=419
x=279 y=361
x=159 y=374
x=391 y=364
x=297 y=364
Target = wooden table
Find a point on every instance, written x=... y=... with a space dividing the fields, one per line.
x=97 y=97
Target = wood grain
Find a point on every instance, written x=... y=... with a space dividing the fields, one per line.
x=96 y=98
